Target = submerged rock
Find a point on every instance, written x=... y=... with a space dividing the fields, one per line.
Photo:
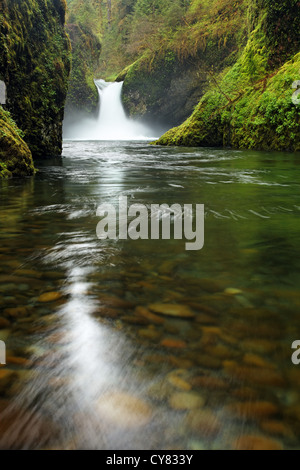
x=173 y=310
x=123 y=410
x=256 y=443
x=186 y=401
x=49 y=297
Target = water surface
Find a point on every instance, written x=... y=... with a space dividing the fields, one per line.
x=90 y=365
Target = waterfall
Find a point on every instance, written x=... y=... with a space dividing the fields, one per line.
x=112 y=122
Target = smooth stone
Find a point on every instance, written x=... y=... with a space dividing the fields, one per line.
x=49 y=297
x=122 y=410
x=232 y=291
x=20 y=361
x=179 y=383
x=107 y=312
x=17 y=312
x=173 y=343
x=256 y=443
x=186 y=401
x=135 y=320
x=208 y=382
x=277 y=428
x=221 y=352
x=173 y=310
x=149 y=333
x=257 y=375
x=117 y=302
x=181 y=362
x=204 y=422
x=245 y=393
x=253 y=410
x=144 y=312
x=259 y=346
x=258 y=361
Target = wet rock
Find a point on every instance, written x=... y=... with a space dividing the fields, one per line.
x=253 y=410
x=186 y=401
x=50 y=297
x=20 y=361
x=259 y=346
x=232 y=291
x=107 y=312
x=116 y=302
x=179 y=383
x=173 y=343
x=221 y=351
x=204 y=422
x=151 y=317
x=17 y=312
x=256 y=443
x=277 y=428
x=245 y=393
x=122 y=410
x=181 y=362
x=210 y=383
x=149 y=333
x=134 y=320
x=258 y=361
x=173 y=310
x=257 y=375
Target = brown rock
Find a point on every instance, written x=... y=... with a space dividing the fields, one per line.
x=173 y=310
x=173 y=343
x=204 y=423
x=276 y=428
x=255 y=360
x=211 y=383
x=115 y=302
x=253 y=410
x=145 y=313
x=122 y=410
x=179 y=383
x=256 y=443
x=257 y=375
x=186 y=401
x=17 y=312
x=149 y=333
x=49 y=297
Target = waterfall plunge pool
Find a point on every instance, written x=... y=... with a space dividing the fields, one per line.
x=94 y=358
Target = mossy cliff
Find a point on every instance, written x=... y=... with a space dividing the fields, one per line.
x=192 y=41
x=249 y=105
x=84 y=25
x=35 y=66
x=15 y=156
x=86 y=49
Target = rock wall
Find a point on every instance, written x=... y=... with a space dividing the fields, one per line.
x=35 y=66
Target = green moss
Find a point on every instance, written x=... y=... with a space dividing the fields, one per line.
x=250 y=106
x=86 y=49
x=15 y=156
x=35 y=65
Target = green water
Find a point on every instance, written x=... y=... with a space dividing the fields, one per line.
x=85 y=369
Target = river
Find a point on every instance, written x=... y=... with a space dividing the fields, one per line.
x=123 y=344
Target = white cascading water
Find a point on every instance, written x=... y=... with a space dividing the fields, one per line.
x=112 y=122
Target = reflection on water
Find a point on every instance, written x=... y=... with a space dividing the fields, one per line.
x=141 y=344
